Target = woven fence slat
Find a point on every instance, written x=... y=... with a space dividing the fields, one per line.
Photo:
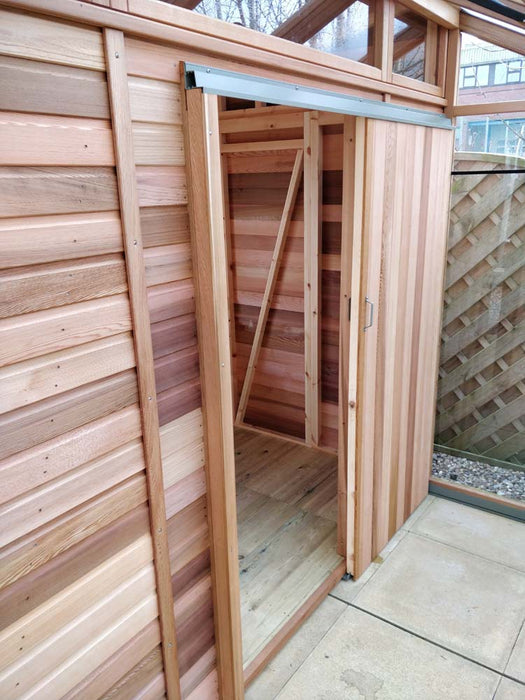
x=505 y=268
x=490 y=424
x=482 y=324
x=481 y=360
x=489 y=238
x=501 y=191
x=490 y=390
x=481 y=389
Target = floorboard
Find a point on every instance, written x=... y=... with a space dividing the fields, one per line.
x=287 y=523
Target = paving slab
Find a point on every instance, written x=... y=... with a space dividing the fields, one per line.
x=363 y=657
x=468 y=604
x=516 y=665
x=509 y=690
x=268 y=684
x=476 y=531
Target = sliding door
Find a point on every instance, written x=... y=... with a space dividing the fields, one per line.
x=400 y=190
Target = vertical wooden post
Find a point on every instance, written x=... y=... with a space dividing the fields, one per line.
x=130 y=217
x=227 y=225
x=384 y=38
x=352 y=293
x=313 y=177
x=206 y=207
x=431 y=52
x=368 y=384
x=344 y=329
x=452 y=72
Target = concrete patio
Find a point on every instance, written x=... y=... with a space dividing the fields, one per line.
x=439 y=615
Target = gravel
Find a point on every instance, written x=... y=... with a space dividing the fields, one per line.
x=509 y=483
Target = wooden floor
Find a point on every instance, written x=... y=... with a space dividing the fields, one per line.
x=287 y=523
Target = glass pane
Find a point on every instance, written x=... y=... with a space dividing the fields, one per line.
x=489 y=73
x=350 y=34
x=502 y=134
x=409 y=43
x=261 y=15
x=480 y=422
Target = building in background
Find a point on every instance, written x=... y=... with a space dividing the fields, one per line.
x=490 y=74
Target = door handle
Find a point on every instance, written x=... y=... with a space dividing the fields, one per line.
x=371 y=317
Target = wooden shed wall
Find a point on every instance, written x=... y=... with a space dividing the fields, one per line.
x=78 y=598
x=155 y=93
x=78 y=589
x=79 y=605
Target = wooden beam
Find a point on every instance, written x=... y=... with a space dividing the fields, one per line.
x=310 y=19
x=384 y=38
x=255 y=146
x=431 y=52
x=130 y=218
x=439 y=11
x=452 y=72
x=271 y=282
x=206 y=208
x=313 y=176
x=205 y=37
x=488 y=108
x=487 y=496
x=353 y=231
x=186 y=4
x=471 y=6
x=505 y=37
x=442 y=54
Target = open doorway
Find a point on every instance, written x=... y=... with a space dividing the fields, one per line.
x=283 y=189
x=354 y=385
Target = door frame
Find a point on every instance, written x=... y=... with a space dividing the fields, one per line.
x=213 y=311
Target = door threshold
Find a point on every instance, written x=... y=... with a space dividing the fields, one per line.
x=292 y=625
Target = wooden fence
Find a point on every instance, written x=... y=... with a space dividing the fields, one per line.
x=481 y=388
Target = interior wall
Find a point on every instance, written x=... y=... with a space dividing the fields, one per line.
x=257 y=184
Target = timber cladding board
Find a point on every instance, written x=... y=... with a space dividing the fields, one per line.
x=78 y=587
x=155 y=103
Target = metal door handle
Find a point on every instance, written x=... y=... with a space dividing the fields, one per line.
x=371 y=323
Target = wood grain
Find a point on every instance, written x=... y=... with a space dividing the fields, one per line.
x=129 y=193
x=211 y=280
x=66 y=237
x=40 y=332
x=52 y=89
x=29 y=139
x=43 y=377
x=27 y=289
x=29 y=36
x=35 y=191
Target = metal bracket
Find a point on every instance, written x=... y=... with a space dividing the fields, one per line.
x=346 y=577
x=216 y=81
x=371 y=323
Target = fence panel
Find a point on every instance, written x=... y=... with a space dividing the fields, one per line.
x=481 y=388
